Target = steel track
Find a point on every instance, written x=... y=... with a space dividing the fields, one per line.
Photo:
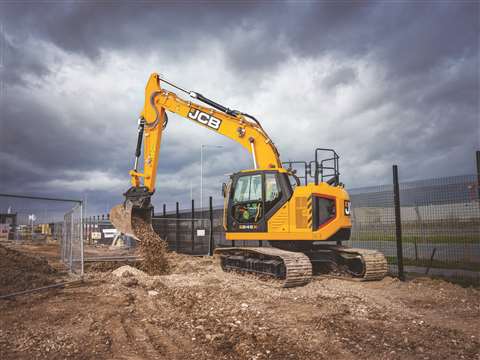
x=294 y=268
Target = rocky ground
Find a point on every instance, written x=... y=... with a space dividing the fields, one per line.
x=198 y=312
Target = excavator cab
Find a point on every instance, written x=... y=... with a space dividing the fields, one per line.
x=273 y=205
x=254 y=197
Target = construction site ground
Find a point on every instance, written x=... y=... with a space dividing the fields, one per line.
x=198 y=312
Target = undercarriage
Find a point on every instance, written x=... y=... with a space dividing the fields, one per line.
x=294 y=263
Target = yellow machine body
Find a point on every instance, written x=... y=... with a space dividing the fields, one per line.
x=294 y=220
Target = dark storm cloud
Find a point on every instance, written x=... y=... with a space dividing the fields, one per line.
x=409 y=36
x=88 y=27
x=429 y=52
x=37 y=143
x=48 y=142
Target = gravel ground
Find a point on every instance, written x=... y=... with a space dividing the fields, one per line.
x=198 y=312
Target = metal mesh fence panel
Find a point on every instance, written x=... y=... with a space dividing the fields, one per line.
x=184 y=235
x=217 y=229
x=441 y=226
x=72 y=240
x=47 y=227
x=373 y=221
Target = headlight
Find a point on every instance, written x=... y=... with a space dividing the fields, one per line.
x=346 y=207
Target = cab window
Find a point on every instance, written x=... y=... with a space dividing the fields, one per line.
x=248 y=188
x=272 y=191
x=293 y=181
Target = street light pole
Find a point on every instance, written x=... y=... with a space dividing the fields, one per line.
x=201 y=176
x=191 y=190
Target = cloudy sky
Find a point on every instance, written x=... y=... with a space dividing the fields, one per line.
x=381 y=82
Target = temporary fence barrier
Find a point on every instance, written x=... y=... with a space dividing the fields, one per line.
x=46 y=226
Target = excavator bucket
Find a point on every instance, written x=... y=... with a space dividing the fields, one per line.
x=132 y=220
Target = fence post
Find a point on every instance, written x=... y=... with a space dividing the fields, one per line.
x=176 y=226
x=71 y=240
x=81 y=238
x=164 y=210
x=478 y=173
x=211 y=246
x=193 y=225
x=90 y=229
x=398 y=222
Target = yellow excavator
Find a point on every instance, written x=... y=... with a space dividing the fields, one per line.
x=304 y=225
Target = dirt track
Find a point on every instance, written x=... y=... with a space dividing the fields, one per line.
x=199 y=313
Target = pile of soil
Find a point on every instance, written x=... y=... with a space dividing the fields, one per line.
x=186 y=264
x=20 y=272
x=107 y=266
x=153 y=248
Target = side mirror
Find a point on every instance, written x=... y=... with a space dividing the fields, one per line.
x=224 y=190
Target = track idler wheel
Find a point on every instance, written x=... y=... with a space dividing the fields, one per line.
x=354 y=264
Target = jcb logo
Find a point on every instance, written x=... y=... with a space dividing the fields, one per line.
x=204 y=118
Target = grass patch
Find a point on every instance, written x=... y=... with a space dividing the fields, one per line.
x=419 y=239
x=436 y=264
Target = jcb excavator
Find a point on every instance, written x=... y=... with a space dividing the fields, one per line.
x=304 y=224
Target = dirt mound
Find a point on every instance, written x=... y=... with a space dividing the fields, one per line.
x=126 y=271
x=20 y=272
x=106 y=266
x=186 y=264
x=153 y=248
